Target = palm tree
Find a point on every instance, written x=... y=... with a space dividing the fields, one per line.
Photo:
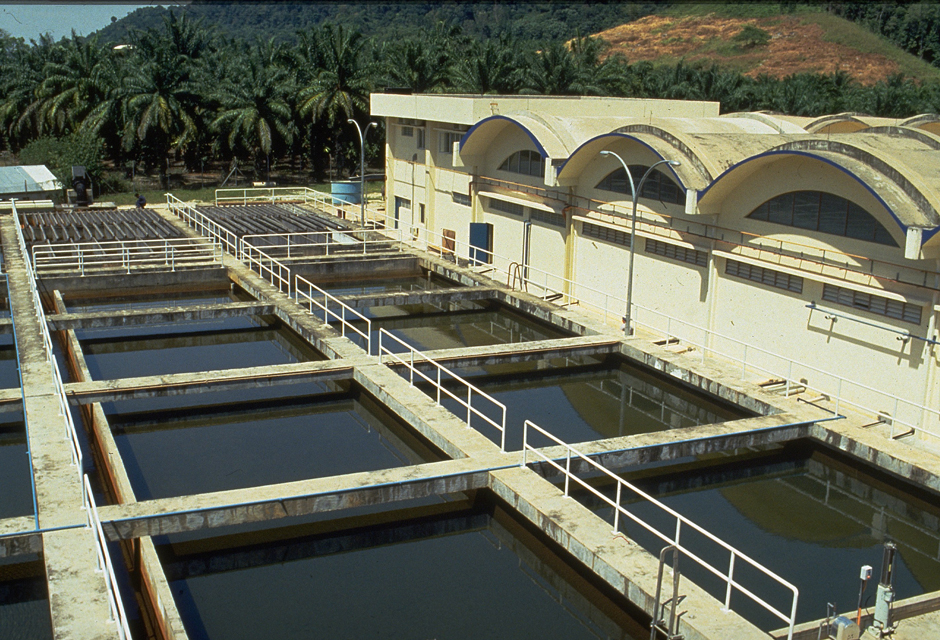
x=161 y=99
x=340 y=88
x=74 y=87
x=562 y=70
x=419 y=65
x=255 y=115
x=21 y=74
x=552 y=71
x=490 y=66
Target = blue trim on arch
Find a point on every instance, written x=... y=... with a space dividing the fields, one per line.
x=535 y=141
x=794 y=152
x=614 y=134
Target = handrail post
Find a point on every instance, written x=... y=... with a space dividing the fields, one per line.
x=730 y=580
x=469 y=397
x=525 y=440
x=567 y=471
x=617 y=510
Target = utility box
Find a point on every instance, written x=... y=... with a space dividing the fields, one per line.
x=845 y=629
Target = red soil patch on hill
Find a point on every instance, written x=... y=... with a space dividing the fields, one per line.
x=796 y=46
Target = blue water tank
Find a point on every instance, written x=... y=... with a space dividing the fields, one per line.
x=346 y=191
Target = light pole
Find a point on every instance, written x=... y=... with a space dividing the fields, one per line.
x=362 y=168
x=627 y=328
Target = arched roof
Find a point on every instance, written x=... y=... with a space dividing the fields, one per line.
x=925 y=136
x=926 y=122
x=903 y=209
x=776 y=122
x=686 y=175
x=837 y=123
x=546 y=141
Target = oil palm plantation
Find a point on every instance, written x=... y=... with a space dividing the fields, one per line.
x=255 y=116
x=490 y=66
x=75 y=85
x=339 y=89
x=161 y=97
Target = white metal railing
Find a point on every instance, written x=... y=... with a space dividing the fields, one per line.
x=308 y=294
x=29 y=449
x=438 y=380
x=70 y=432
x=273 y=270
x=330 y=204
x=124 y=255
x=260 y=194
x=204 y=225
x=791 y=373
x=347 y=239
x=846 y=266
x=672 y=538
x=115 y=602
x=753 y=361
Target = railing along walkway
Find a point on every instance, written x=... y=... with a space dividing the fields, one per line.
x=672 y=538
x=441 y=380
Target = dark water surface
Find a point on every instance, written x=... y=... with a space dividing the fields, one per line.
x=233 y=442
x=385 y=285
x=454 y=325
x=9 y=372
x=24 y=600
x=186 y=347
x=585 y=399
x=809 y=516
x=16 y=495
x=434 y=572
x=157 y=300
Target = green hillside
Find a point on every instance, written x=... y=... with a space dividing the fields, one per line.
x=523 y=21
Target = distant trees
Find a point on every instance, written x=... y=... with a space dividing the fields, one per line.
x=183 y=92
x=912 y=26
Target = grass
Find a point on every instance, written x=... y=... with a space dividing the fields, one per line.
x=840 y=31
x=739 y=9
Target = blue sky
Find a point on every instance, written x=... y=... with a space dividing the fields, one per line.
x=29 y=19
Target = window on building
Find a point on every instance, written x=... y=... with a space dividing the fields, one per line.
x=548 y=217
x=446 y=140
x=421 y=212
x=461 y=198
x=606 y=234
x=824 y=212
x=408 y=132
x=658 y=185
x=506 y=207
x=420 y=143
x=528 y=163
x=873 y=304
x=675 y=252
x=769 y=277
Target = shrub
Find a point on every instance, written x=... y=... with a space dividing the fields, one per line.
x=750 y=36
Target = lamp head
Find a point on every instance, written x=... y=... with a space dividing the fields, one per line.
x=674 y=163
x=351 y=121
x=605 y=152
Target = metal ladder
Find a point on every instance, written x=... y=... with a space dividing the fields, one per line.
x=668 y=628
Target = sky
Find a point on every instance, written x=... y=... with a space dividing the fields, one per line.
x=29 y=19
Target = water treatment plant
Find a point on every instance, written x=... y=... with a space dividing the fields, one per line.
x=282 y=415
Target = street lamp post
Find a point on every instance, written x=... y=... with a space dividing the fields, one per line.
x=627 y=327
x=362 y=168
